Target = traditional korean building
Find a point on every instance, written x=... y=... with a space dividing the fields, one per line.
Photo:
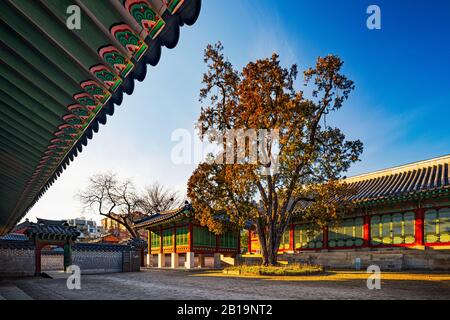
x=405 y=207
x=45 y=233
x=178 y=234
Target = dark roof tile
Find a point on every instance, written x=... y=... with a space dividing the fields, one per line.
x=403 y=181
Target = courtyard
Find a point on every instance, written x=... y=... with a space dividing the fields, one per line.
x=178 y=284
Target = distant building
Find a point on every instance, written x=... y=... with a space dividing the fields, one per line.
x=110 y=225
x=114 y=231
x=87 y=228
x=107 y=238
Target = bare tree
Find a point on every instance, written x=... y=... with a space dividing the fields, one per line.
x=113 y=199
x=157 y=198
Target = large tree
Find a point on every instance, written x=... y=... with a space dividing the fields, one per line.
x=114 y=199
x=118 y=199
x=300 y=171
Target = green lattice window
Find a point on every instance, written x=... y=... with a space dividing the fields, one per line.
x=182 y=236
x=203 y=237
x=285 y=239
x=397 y=228
x=347 y=234
x=303 y=238
x=437 y=226
x=167 y=237
x=229 y=240
x=155 y=239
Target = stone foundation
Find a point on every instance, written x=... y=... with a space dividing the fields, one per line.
x=386 y=259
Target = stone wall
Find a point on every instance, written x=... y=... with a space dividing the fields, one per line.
x=16 y=258
x=52 y=261
x=388 y=259
x=98 y=258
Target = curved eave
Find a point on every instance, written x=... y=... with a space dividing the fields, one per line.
x=402 y=198
x=161 y=218
x=187 y=14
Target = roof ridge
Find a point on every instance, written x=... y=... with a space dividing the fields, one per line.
x=172 y=210
x=399 y=169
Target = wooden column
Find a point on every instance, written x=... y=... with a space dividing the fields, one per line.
x=249 y=241
x=420 y=217
x=149 y=241
x=239 y=242
x=325 y=238
x=67 y=254
x=160 y=239
x=190 y=238
x=366 y=231
x=175 y=239
x=291 y=238
x=149 y=248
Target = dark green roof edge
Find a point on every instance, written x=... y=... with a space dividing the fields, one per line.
x=188 y=15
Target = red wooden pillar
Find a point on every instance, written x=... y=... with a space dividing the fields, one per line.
x=325 y=238
x=190 y=238
x=291 y=238
x=249 y=241
x=366 y=231
x=420 y=216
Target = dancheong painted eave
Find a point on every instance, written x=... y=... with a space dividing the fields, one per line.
x=422 y=179
x=163 y=217
x=58 y=85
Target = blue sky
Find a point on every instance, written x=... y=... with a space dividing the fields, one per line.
x=400 y=108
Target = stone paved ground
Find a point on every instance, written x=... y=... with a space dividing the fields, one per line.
x=169 y=284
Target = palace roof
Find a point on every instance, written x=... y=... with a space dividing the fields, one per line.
x=47 y=229
x=163 y=217
x=423 y=179
x=59 y=81
x=14 y=237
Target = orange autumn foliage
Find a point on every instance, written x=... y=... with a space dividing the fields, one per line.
x=311 y=155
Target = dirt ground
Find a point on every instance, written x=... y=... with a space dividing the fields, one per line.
x=173 y=284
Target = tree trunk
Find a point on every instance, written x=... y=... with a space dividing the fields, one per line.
x=134 y=234
x=269 y=242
